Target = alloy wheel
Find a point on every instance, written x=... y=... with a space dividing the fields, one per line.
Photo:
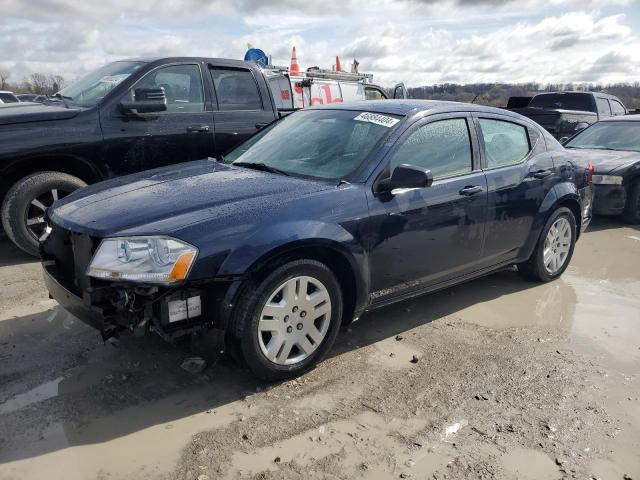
x=295 y=320
x=557 y=246
x=35 y=221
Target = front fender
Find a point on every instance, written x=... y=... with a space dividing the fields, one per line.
x=274 y=241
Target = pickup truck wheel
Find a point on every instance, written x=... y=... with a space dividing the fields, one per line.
x=554 y=249
x=24 y=206
x=631 y=212
x=290 y=320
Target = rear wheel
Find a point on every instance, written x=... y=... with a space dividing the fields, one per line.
x=631 y=212
x=554 y=249
x=25 y=204
x=290 y=320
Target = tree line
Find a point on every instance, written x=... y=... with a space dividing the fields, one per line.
x=493 y=94
x=37 y=83
x=497 y=94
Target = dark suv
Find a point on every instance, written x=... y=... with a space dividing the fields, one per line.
x=325 y=214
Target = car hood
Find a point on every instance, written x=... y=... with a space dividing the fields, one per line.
x=166 y=200
x=607 y=161
x=34 y=112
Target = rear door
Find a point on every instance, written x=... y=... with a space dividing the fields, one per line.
x=520 y=173
x=424 y=236
x=241 y=107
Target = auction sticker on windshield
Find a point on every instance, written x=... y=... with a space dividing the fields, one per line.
x=377 y=118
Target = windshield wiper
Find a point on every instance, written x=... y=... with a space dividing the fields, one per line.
x=260 y=166
x=64 y=98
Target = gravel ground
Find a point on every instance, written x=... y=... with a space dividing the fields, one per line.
x=495 y=379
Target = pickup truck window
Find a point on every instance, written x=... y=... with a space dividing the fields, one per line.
x=92 y=88
x=317 y=144
x=182 y=85
x=617 y=108
x=563 y=101
x=236 y=89
x=444 y=147
x=505 y=143
x=604 y=110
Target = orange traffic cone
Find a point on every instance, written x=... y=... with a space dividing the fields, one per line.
x=338 y=66
x=295 y=68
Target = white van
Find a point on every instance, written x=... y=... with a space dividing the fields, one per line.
x=321 y=87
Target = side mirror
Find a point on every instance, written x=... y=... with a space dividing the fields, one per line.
x=563 y=140
x=146 y=100
x=407 y=176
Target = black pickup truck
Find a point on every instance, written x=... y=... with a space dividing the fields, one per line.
x=125 y=117
x=564 y=114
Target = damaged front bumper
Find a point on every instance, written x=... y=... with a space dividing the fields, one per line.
x=130 y=307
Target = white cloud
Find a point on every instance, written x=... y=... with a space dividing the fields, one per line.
x=419 y=42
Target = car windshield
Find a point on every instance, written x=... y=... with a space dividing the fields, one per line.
x=92 y=88
x=8 y=98
x=318 y=144
x=564 y=101
x=609 y=136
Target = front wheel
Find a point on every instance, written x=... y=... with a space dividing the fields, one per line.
x=25 y=203
x=290 y=320
x=554 y=249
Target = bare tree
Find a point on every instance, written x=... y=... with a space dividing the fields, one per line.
x=4 y=79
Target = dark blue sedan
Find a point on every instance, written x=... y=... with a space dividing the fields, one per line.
x=323 y=215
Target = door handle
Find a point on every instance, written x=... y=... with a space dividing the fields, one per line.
x=261 y=125
x=197 y=128
x=470 y=190
x=541 y=174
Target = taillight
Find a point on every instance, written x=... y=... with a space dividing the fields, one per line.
x=590 y=171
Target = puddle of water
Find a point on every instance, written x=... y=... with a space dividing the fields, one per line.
x=528 y=464
x=40 y=393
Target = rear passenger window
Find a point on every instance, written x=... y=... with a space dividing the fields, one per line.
x=444 y=147
x=617 y=108
x=603 y=107
x=505 y=143
x=236 y=89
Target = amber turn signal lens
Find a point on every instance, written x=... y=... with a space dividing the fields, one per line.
x=182 y=266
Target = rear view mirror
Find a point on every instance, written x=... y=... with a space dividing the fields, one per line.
x=407 y=176
x=146 y=100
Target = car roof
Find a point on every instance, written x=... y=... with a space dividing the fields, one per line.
x=601 y=94
x=222 y=61
x=408 y=107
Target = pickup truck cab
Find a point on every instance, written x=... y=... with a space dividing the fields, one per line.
x=564 y=114
x=125 y=117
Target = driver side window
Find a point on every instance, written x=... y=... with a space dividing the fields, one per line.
x=443 y=146
x=182 y=86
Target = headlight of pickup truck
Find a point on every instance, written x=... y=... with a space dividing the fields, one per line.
x=607 y=180
x=143 y=259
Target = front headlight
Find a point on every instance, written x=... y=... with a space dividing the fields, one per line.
x=607 y=180
x=143 y=259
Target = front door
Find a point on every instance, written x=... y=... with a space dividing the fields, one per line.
x=241 y=110
x=183 y=132
x=421 y=237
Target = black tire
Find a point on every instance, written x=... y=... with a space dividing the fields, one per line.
x=249 y=309
x=534 y=268
x=18 y=202
x=631 y=212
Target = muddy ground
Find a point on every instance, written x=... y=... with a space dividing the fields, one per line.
x=513 y=380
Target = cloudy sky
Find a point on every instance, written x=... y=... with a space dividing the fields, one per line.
x=416 y=41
